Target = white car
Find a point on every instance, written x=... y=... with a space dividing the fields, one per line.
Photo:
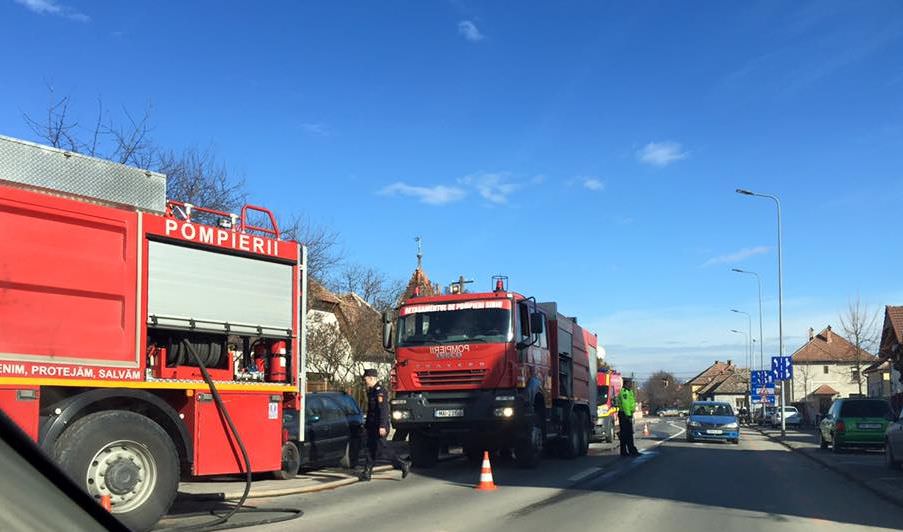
x=791 y=417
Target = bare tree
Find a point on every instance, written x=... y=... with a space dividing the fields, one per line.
x=860 y=328
x=662 y=390
x=323 y=252
x=372 y=285
x=58 y=128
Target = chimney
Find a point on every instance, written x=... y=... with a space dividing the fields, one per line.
x=729 y=362
x=829 y=335
x=811 y=334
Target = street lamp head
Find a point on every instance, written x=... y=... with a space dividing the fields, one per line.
x=745 y=192
x=736 y=331
x=738 y=270
x=735 y=310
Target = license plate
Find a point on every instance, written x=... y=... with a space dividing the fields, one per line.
x=869 y=425
x=450 y=412
x=711 y=431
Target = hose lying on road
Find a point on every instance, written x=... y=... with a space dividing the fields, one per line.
x=222 y=522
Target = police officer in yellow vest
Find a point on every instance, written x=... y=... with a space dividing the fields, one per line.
x=626 y=407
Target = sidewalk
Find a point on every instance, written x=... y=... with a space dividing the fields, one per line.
x=865 y=467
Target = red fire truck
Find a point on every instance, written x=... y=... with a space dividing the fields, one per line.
x=142 y=340
x=608 y=386
x=491 y=371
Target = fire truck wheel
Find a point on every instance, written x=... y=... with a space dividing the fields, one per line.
x=583 y=434
x=528 y=450
x=126 y=456
x=424 y=450
x=291 y=462
x=571 y=446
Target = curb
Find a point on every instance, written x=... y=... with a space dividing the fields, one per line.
x=828 y=465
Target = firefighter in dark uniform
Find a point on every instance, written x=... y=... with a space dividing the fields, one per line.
x=377 y=427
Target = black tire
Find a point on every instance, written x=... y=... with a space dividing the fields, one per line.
x=291 y=462
x=529 y=447
x=736 y=441
x=473 y=453
x=689 y=438
x=822 y=444
x=836 y=447
x=583 y=425
x=118 y=433
x=424 y=450
x=570 y=447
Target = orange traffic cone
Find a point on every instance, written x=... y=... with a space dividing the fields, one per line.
x=486 y=483
x=645 y=430
x=106 y=503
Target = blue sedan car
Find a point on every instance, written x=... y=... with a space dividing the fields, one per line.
x=712 y=421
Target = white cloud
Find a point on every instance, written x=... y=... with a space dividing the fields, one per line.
x=494 y=187
x=434 y=195
x=319 y=130
x=592 y=183
x=469 y=31
x=661 y=153
x=50 y=7
x=737 y=256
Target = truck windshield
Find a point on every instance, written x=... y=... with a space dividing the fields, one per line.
x=603 y=395
x=445 y=327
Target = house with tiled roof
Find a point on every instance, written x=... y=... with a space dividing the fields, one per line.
x=891 y=352
x=716 y=372
x=827 y=362
x=732 y=386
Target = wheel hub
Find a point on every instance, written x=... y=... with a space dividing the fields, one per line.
x=124 y=471
x=122 y=476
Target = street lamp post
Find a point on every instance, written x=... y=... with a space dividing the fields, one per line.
x=749 y=351
x=777 y=203
x=761 y=340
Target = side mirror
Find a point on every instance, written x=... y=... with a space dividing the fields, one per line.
x=387 y=330
x=537 y=323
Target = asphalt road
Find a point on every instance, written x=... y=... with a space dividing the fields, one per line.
x=675 y=485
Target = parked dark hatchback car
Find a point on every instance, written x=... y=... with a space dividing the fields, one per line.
x=333 y=432
x=855 y=422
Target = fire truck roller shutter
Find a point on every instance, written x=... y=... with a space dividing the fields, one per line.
x=213 y=292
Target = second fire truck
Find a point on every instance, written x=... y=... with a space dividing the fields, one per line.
x=491 y=371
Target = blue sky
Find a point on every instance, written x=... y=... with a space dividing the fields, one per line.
x=588 y=150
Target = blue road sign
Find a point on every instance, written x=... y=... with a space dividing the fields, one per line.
x=782 y=368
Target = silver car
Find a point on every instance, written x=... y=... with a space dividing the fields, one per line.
x=791 y=417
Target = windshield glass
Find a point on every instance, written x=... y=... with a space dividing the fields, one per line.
x=864 y=409
x=603 y=395
x=716 y=409
x=445 y=327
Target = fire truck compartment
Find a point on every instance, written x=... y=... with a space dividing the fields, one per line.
x=68 y=280
x=203 y=290
x=258 y=419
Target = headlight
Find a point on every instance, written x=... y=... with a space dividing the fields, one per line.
x=401 y=414
x=731 y=425
x=504 y=397
x=504 y=412
x=692 y=423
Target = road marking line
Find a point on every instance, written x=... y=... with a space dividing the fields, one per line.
x=583 y=474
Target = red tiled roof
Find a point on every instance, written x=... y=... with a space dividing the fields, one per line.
x=735 y=382
x=895 y=316
x=708 y=374
x=824 y=389
x=828 y=346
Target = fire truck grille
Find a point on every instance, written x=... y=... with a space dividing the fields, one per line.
x=465 y=377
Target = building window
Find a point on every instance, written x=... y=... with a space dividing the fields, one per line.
x=824 y=370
